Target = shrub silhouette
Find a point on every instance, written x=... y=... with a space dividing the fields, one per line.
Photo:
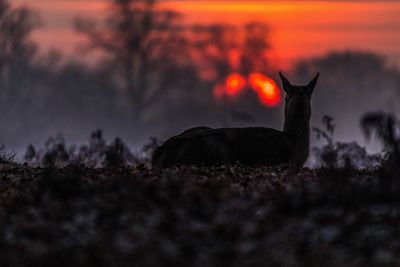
x=54 y=153
x=328 y=154
x=386 y=127
x=97 y=153
x=334 y=155
x=117 y=154
x=6 y=157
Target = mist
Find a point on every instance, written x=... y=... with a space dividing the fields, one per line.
x=154 y=76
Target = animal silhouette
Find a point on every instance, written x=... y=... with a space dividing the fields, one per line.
x=204 y=146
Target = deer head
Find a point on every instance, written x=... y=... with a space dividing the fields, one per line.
x=297 y=104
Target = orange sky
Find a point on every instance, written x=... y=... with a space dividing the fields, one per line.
x=299 y=29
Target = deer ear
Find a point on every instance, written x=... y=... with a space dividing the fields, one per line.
x=311 y=85
x=287 y=86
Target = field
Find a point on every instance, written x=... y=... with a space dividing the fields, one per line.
x=225 y=216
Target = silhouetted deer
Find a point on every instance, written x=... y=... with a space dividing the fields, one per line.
x=204 y=146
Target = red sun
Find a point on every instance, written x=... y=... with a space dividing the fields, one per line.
x=235 y=83
x=266 y=89
x=232 y=87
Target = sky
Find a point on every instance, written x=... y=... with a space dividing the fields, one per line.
x=299 y=29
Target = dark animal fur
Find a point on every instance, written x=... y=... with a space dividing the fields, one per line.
x=205 y=146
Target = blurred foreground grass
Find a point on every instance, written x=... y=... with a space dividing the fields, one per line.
x=226 y=216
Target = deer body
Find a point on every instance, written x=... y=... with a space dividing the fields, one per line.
x=205 y=146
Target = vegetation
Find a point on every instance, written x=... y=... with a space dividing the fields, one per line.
x=230 y=215
x=335 y=154
x=6 y=157
x=97 y=153
x=387 y=128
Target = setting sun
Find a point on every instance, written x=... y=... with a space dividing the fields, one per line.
x=235 y=83
x=266 y=89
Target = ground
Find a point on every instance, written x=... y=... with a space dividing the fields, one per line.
x=226 y=216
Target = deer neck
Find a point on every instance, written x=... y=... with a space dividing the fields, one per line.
x=298 y=129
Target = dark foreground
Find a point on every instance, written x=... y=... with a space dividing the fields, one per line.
x=228 y=216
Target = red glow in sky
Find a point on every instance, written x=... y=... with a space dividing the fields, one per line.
x=235 y=84
x=231 y=88
x=219 y=91
x=266 y=89
x=299 y=29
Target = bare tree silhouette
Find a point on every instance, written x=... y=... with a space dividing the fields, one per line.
x=215 y=45
x=17 y=56
x=143 y=43
x=16 y=52
x=226 y=48
x=255 y=48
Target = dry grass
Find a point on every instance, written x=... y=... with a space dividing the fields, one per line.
x=227 y=216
